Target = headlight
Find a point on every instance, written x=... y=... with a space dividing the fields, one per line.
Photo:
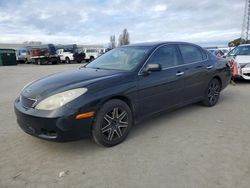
x=55 y=101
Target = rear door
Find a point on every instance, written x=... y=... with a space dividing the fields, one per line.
x=196 y=71
x=164 y=89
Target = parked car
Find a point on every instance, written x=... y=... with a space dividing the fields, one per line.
x=103 y=51
x=224 y=50
x=21 y=55
x=240 y=60
x=122 y=87
x=91 y=53
x=43 y=54
x=216 y=52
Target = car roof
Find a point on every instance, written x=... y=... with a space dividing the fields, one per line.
x=155 y=44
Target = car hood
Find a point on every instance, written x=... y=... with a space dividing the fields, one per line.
x=242 y=59
x=60 y=82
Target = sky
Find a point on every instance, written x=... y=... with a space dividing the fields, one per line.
x=205 y=22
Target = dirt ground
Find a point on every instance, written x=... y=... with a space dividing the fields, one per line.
x=193 y=147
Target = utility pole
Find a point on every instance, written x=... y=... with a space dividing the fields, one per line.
x=246 y=24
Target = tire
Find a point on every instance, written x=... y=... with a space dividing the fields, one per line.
x=91 y=59
x=39 y=62
x=212 y=93
x=67 y=60
x=112 y=123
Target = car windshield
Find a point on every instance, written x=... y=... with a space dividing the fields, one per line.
x=240 y=50
x=23 y=51
x=124 y=58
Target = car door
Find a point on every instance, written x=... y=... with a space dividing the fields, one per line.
x=195 y=70
x=163 y=89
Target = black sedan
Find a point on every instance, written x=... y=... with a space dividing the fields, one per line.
x=120 y=88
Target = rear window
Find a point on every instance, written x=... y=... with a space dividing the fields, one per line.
x=191 y=53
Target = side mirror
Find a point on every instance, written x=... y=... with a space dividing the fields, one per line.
x=152 y=68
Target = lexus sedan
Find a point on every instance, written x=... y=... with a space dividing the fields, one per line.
x=105 y=98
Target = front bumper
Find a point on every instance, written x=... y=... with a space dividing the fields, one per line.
x=64 y=128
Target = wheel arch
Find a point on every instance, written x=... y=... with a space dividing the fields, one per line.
x=124 y=99
x=219 y=79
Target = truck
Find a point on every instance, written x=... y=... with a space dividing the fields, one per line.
x=66 y=52
x=91 y=54
x=21 y=55
x=42 y=54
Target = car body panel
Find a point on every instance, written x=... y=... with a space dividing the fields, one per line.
x=146 y=94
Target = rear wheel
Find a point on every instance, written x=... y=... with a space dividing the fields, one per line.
x=212 y=93
x=112 y=123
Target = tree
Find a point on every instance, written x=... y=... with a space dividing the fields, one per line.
x=112 y=41
x=124 y=38
x=237 y=42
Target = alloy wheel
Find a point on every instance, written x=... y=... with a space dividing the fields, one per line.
x=115 y=123
x=213 y=92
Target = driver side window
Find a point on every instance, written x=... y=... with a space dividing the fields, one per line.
x=166 y=56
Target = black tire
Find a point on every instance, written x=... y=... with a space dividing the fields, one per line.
x=112 y=123
x=91 y=59
x=212 y=94
x=67 y=60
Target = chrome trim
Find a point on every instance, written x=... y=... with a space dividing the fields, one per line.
x=140 y=71
x=32 y=106
x=179 y=73
x=210 y=67
x=35 y=103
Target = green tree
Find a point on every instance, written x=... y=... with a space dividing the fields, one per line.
x=237 y=42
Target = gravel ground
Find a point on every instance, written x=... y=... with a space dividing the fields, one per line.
x=191 y=147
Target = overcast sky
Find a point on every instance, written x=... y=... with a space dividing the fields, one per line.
x=93 y=21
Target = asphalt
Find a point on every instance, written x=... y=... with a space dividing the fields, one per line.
x=193 y=147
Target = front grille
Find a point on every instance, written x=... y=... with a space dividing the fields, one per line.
x=247 y=74
x=27 y=102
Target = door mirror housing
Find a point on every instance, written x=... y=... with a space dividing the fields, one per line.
x=152 y=68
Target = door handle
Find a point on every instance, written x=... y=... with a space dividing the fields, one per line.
x=179 y=73
x=198 y=67
x=210 y=67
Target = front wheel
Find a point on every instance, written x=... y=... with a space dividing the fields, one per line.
x=67 y=60
x=112 y=123
x=91 y=59
x=212 y=93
